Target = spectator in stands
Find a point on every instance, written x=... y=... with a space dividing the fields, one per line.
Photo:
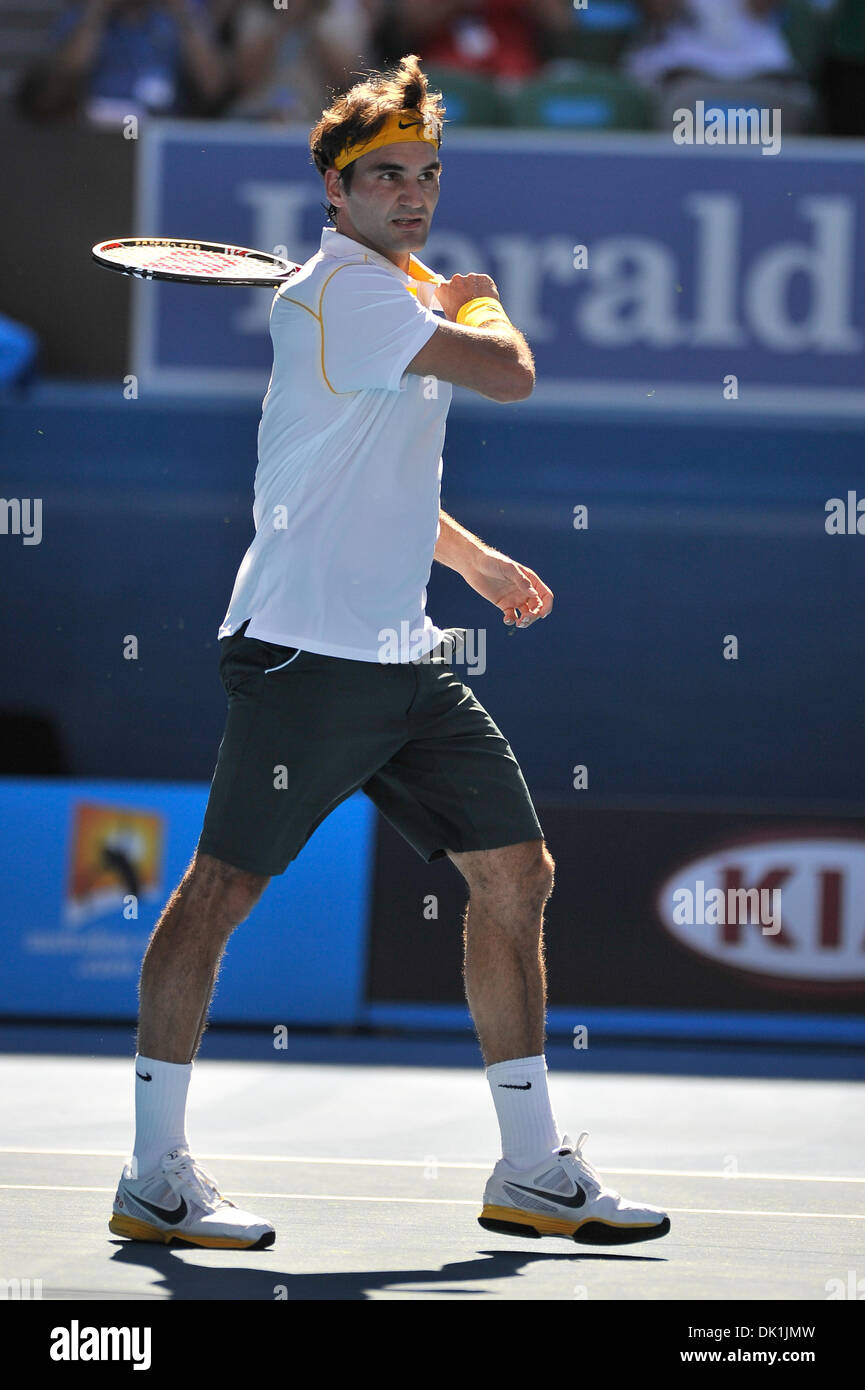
x=226 y=18
x=719 y=50
x=346 y=32
x=842 y=78
x=288 y=62
x=492 y=38
x=125 y=57
x=712 y=38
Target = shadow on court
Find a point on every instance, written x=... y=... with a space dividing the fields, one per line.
x=181 y=1280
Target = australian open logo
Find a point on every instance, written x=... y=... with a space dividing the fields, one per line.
x=115 y=860
x=114 y=875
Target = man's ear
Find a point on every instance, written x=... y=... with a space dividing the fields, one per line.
x=333 y=184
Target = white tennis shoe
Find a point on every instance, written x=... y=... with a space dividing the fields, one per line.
x=179 y=1201
x=565 y=1196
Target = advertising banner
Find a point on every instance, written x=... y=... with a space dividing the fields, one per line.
x=88 y=866
x=672 y=921
x=643 y=271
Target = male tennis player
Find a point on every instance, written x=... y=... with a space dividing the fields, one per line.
x=348 y=523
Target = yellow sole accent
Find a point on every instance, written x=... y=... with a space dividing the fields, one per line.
x=136 y=1230
x=554 y=1225
x=546 y=1225
x=133 y=1229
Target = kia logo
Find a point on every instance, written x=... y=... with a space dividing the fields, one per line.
x=791 y=907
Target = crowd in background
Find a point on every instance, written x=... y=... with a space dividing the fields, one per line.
x=281 y=60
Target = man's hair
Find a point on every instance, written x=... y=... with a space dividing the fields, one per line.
x=360 y=113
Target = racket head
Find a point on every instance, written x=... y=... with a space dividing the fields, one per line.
x=192 y=262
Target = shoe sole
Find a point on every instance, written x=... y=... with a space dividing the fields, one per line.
x=510 y=1221
x=133 y=1229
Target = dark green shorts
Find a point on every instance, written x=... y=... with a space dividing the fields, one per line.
x=305 y=731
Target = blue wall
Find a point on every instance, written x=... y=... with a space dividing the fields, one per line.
x=697 y=528
x=73 y=942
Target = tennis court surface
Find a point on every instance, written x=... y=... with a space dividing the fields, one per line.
x=370 y=1154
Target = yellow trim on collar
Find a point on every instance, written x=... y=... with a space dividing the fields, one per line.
x=418 y=271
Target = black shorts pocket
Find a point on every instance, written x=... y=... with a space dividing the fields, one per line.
x=280 y=658
x=246 y=662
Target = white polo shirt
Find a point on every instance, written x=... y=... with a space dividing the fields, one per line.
x=348 y=483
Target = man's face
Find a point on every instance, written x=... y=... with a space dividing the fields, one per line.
x=394 y=192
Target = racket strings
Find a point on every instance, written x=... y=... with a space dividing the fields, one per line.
x=186 y=260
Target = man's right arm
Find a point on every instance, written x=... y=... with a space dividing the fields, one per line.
x=493 y=359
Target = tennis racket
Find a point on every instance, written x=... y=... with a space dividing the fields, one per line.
x=192 y=262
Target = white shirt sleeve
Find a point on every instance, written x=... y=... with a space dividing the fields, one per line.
x=372 y=327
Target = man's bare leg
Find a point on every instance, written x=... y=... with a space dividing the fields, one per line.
x=163 y=1193
x=182 y=958
x=503 y=947
x=506 y=990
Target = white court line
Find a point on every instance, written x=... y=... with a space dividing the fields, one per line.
x=433 y=1162
x=445 y=1202
x=36 y=1187
x=728 y=1211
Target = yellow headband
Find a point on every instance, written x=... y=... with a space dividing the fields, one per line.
x=401 y=127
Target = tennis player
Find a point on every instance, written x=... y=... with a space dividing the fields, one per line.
x=336 y=674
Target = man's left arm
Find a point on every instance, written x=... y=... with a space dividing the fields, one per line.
x=515 y=589
x=456 y=547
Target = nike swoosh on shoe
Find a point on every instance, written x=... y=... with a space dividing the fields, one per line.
x=577 y=1200
x=173 y=1217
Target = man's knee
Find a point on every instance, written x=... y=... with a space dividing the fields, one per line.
x=548 y=864
x=540 y=874
x=524 y=872
x=232 y=891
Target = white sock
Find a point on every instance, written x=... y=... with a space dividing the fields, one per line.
x=526 y=1120
x=160 y=1109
